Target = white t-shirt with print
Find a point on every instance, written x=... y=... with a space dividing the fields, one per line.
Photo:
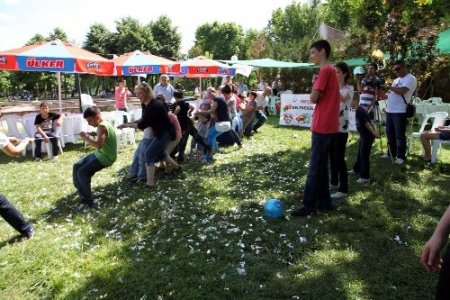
x=3 y=140
x=395 y=103
x=344 y=106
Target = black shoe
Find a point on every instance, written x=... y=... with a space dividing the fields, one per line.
x=88 y=204
x=302 y=212
x=255 y=130
x=132 y=179
x=28 y=234
x=323 y=206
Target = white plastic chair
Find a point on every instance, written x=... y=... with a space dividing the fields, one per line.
x=436 y=147
x=86 y=101
x=15 y=125
x=119 y=116
x=16 y=128
x=436 y=100
x=438 y=120
x=135 y=114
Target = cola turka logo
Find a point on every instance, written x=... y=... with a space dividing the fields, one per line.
x=3 y=60
x=45 y=63
x=202 y=70
x=93 y=65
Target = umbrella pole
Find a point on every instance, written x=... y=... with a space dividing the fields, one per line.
x=79 y=91
x=200 y=83
x=58 y=76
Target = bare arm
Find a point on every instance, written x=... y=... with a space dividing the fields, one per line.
x=42 y=132
x=209 y=112
x=371 y=127
x=430 y=253
x=16 y=151
x=315 y=95
x=399 y=90
x=101 y=137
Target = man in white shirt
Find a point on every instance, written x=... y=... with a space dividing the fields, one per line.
x=7 y=210
x=400 y=94
x=164 y=88
x=262 y=85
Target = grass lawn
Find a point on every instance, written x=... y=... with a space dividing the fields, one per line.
x=201 y=234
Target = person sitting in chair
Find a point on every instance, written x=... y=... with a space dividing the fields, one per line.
x=46 y=123
x=441 y=133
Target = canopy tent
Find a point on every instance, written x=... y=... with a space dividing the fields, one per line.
x=357 y=61
x=269 y=63
x=55 y=56
x=140 y=63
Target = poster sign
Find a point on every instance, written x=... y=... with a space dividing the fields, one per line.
x=296 y=110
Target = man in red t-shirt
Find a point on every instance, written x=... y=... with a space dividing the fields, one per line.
x=325 y=124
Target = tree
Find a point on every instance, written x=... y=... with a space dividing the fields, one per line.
x=36 y=38
x=5 y=84
x=100 y=40
x=222 y=39
x=131 y=35
x=166 y=37
x=57 y=34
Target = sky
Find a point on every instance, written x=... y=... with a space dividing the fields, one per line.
x=22 y=19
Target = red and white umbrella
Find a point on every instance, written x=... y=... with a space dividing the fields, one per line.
x=202 y=67
x=55 y=56
x=139 y=63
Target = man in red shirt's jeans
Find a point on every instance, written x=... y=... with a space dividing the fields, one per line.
x=325 y=125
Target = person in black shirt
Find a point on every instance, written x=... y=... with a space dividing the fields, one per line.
x=182 y=109
x=46 y=123
x=155 y=116
x=367 y=134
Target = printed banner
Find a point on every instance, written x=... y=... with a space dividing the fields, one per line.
x=296 y=110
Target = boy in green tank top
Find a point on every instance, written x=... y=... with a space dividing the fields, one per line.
x=105 y=154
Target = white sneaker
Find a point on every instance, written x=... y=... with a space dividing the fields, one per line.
x=333 y=186
x=338 y=195
x=351 y=171
x=399 y=161
x=385 y=156
x=363 y=180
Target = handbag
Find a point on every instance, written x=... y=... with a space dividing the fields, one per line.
x=223 y=126
x=410 y=109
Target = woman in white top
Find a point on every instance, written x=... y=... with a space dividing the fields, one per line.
x=338 y=166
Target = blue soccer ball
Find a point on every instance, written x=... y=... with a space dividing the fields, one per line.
x=273 y=208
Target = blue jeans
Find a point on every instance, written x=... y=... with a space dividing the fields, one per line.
x=13 y=216
x=212 y=139
x=261 y=118
x=395 y=132
x=317 y=189
x=83 y=170
x=362 y=165
x=156 y=149
x=137 y=167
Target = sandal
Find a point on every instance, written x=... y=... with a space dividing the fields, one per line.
x=148 y=186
